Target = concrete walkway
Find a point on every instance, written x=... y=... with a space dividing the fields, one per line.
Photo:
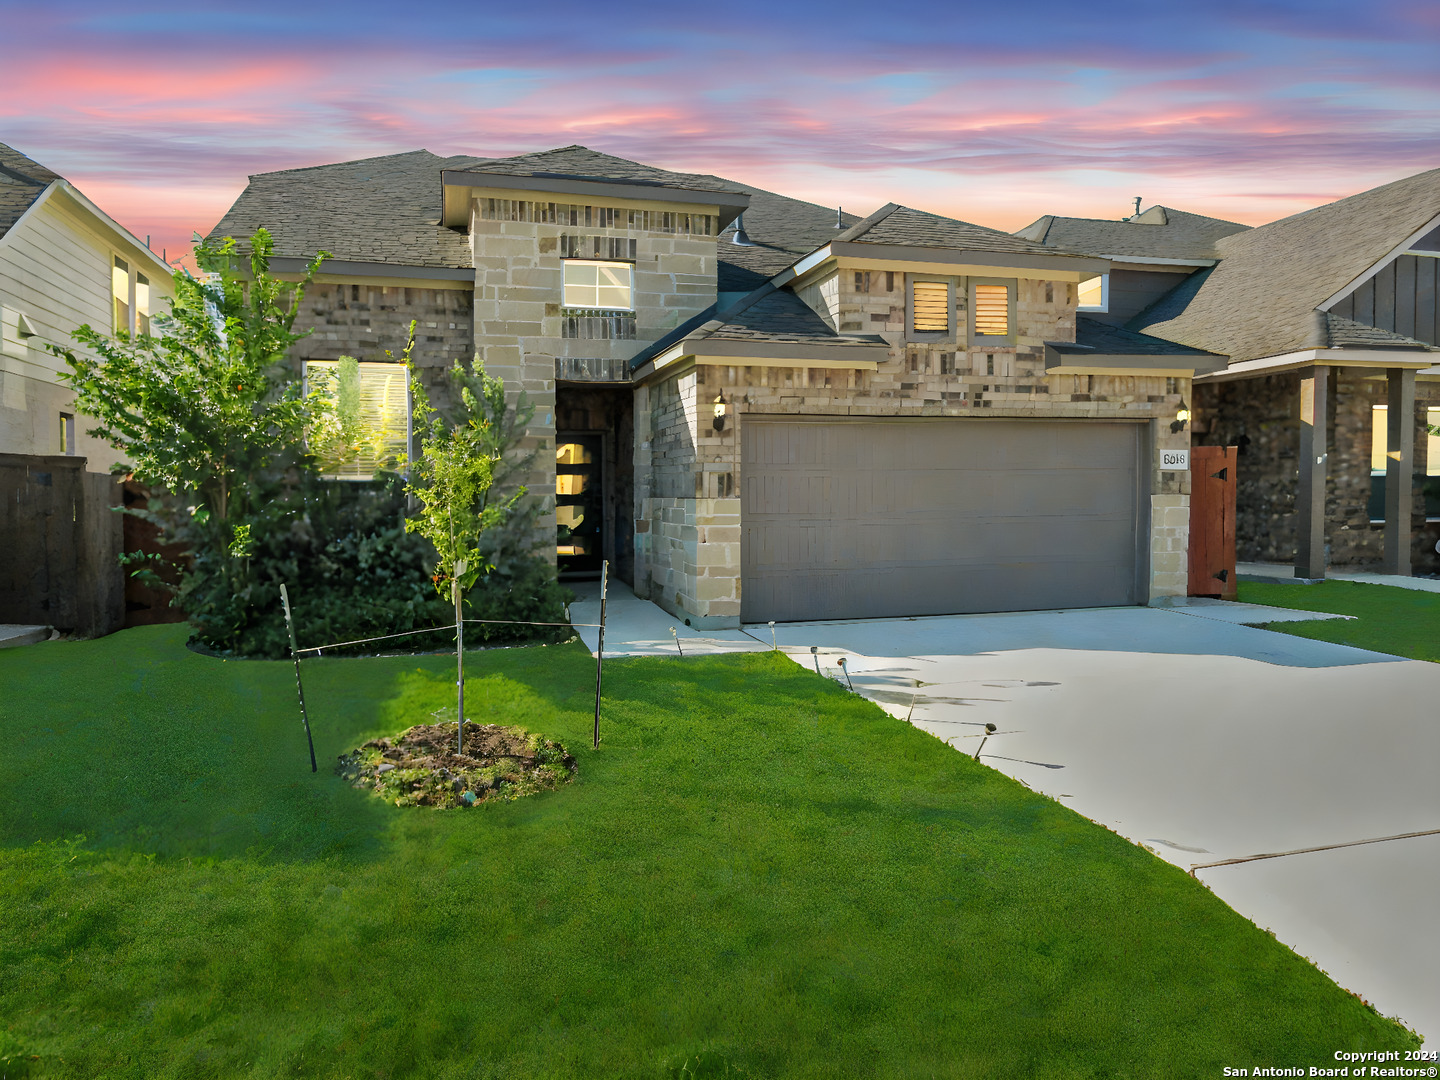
x=1184 y=730
x=1285 y=574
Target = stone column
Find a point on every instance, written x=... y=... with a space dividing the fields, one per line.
x=1399 y=468
x=1310 y=498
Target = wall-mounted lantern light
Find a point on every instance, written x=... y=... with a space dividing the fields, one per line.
x=1182 y=417
x=720 y=407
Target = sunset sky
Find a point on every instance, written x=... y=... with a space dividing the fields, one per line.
x=995 y=113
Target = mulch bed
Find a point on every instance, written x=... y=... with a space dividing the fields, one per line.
x=421 y=767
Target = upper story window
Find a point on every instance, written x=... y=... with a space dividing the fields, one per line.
x=120 y=295
x=929 y=314
x=993 y=307
x=1095 y=294
x=608 y=286
x=142 y=304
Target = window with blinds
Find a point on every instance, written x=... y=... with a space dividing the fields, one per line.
x=368 y=425
x=593 y=285
x=930 y=307
x=992 y=310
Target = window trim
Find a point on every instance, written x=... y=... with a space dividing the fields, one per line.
x=568 y=307
x=984 y=341
x=1104 y=304
x=946 y=336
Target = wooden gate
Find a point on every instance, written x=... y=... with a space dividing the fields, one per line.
x=1212 y=521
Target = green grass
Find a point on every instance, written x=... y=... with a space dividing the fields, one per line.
x=1403 y=622
x=757 y=867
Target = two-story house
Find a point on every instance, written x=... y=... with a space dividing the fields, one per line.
x=758 y=408
x=63 y=263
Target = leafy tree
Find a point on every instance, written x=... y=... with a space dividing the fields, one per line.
x=206 y=411
x=462 y=452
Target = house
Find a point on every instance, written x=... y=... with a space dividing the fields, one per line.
x=755 y=407
x=63 y=263
x=1329 y=319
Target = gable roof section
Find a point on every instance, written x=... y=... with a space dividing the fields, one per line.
x=22 y=181
x=375 y=210
x=1159 y=233
x=902 y=226
x=770 y=322
x=1261 y=298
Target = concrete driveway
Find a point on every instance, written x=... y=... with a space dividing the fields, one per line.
x=1200 y=738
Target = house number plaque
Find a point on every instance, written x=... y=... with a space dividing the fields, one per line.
x=1175 y=460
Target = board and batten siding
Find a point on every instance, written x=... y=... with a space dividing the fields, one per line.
x=1400 y=298
x=55 y=272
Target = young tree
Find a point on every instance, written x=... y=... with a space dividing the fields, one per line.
x=204 y=406
x=463 y=453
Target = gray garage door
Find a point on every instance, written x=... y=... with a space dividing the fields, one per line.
x=865 y=519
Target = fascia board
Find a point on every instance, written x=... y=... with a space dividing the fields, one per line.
x=728 y=350
x=724 y=201
x=1395 y=253
x=341 y=268
x=1124 y=262
x=1097 y=363
x=814 y=260
x=70 y=191
x=1368 y=358
x=966 y=261
x=708 y=358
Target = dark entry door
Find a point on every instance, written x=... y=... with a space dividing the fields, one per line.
x=579 y=509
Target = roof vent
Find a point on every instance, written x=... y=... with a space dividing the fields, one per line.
x=839 y=217
x=741 y=237
x=1137 y=209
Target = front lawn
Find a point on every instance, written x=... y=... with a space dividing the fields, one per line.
x=758 y=869
x=1403 y=622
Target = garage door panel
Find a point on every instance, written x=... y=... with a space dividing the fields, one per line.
x=863 y=519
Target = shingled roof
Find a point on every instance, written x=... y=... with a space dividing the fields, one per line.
x=1159 y=233
x=380 y=209
x=22 y=181
x=768 y=316
x=902 y=226
x=781 y=230
x=582 y=163
x=1262 y=297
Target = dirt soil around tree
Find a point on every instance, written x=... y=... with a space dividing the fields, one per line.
x=421 y=767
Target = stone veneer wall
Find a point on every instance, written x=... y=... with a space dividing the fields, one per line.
x=363 y=321
x=521 y=328
x=1262 y=417
x=688 y=475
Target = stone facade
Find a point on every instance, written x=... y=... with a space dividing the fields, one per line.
x=1261 y=416
x=522 y=328
x=688 y=473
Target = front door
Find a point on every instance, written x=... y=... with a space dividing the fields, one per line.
x=579 y=509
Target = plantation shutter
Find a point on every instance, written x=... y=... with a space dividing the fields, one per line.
x=931 y=314
x=383 y=429
x=992 y=310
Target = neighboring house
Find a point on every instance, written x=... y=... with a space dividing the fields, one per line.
x=63 y=263
x=1329 y=318
x=759 y=408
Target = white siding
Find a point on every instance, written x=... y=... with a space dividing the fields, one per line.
x=55 y=272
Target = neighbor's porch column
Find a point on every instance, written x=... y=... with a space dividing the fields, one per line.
x=1399 y=468
x=1310 y=499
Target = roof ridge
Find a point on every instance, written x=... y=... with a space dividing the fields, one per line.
x=355 y=161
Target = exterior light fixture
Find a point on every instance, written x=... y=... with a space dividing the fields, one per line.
x=1182 y=417
x=720 y=407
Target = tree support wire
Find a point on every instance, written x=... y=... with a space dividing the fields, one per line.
x=600 y=649
x=299 y=686
x=437 y=630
